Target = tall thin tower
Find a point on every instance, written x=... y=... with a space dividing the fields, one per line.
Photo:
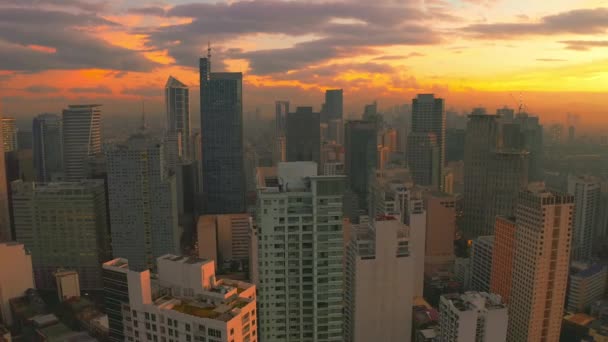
x=177 y=103
x=81 y=138
x=5 y=224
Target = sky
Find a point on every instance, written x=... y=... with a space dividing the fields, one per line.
x=550 y=55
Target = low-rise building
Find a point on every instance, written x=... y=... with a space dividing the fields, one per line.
x=587 y=284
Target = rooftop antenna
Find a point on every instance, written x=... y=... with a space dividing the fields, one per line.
x=520 y=103
x=209 y=50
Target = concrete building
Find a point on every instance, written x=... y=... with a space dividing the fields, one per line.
x=177 y=104
x=81 y=138
x=17 y=276
x=9 y=134
x=472 y=316
x=379 y=288
x=5 y=222
x=481 y=263
x=64 y=225
x=303 y=135
x=143 y=202
x=540 y=270
x=462 y=272
x=222 y=140
x=281 y=112
x=423 y=159
x=224 y=239
x=183 y=302
x=587 y=196
x=587 y=285
x=389 y=193
x=428 y=116
x=68 y=284
x=440 y=231
x=503 y=254
x=333 y=107
x=361 y=157
x=47 y=133
x=300 y=253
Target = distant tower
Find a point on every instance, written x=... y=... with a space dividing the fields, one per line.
x=9 y=134
x=428 y=116
x=303 y=136
x=48 y=147
x=361 y=156
x=334 y=105
x=5 y=224
x=177 y=103
x=81 y=138
x=587 y=193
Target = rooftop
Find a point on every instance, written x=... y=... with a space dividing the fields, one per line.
x=475 y=301
x=199 y=308
x=185 y=259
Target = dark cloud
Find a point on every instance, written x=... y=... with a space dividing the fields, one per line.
x=584 y=45
x=582 y=21
x=151 y=11
x=95 y=90
x=84 y=5
x=399 y=57
x=341 y=29
x=41 y=89
x=143 y=91
x=34 y=39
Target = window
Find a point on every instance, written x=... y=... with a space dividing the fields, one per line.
x=214 y=333
x=231 y=332
x=187 y=327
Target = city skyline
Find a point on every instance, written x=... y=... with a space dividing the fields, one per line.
x=543 y=50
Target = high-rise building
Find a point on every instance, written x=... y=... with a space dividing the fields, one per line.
x=587 y=285
x=481 y=263
x=379 y=289
x=224 y=238
x=586 y=191
x=423 y=158
x=300 y=250
x=540 y=268
x=303 y=135
x=532 y=141
x=389 y=192
x=177 y=103
x=16 y=276
x=64 y=225
x=361 y=156
x=472 y=316
x=48 y=147
x=185 y=303
x=506 y=114
x=5 y=222
x=9 y=134
x=81 y=138
x=454 y=145
x=503 y=254
x=440 y=231
x=281 y=112
x=334 y=105
x=428 y=116
x=143 y=202
x=222 y=140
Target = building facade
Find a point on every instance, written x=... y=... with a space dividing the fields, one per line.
x=5 y=222
x=64 y=225
x=224 y=238
x=587 y=196
x=303 y=135
x=587 y=285
x=47 y=134
x=428 y=116
x=17 y=276
x=177 y=104
x=361 y=156
x=503 y=255
x=9 y=134
x=481 y=263
x=81 y=138
x=423 y=159
x=334 y=105
x=440 y=231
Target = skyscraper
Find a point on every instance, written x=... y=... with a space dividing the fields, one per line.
x=16 y=276
x=64 y=225
x=281 y=112
x=177 y=103
x=5 y=223
x=540 y=268
x=303 y=136
x=299 y=254
x=423 y=159
x=361 y=156
x=81 y=138
x=428 y=116
x=586 y=192
x=503 y=254
x=143 y=202
x=334 y=106
x=222 y=140
x=481 y=263
x=9 y=134
x=48 y=147
x=440 y=231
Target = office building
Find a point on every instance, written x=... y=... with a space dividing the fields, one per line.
x=222 y=140
x=481 y=263
x=454 y=145
x=361 y=157
x=587 y=285
x=143 y=202
x=81 y=138
x=472 y=316
x=532 y=141
x=303 y=136
x=415 y=218
x=389 y=192
x=334 y=106
x=64 y=225
x=370 y=112
x=379 y=288
x=67 y=284
x=9 y=134
x=587 y=195
x=16 y=277
x=5 y=222
x=225 y=239
x=428 y=116
x=423 y=159
x=335 y=131
x=503 y=253
x=281 y=112
x=183 y=302
x=440 y=231
x=177 y=104
x=540 y=268
x=48 y=147
x=300 y=251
